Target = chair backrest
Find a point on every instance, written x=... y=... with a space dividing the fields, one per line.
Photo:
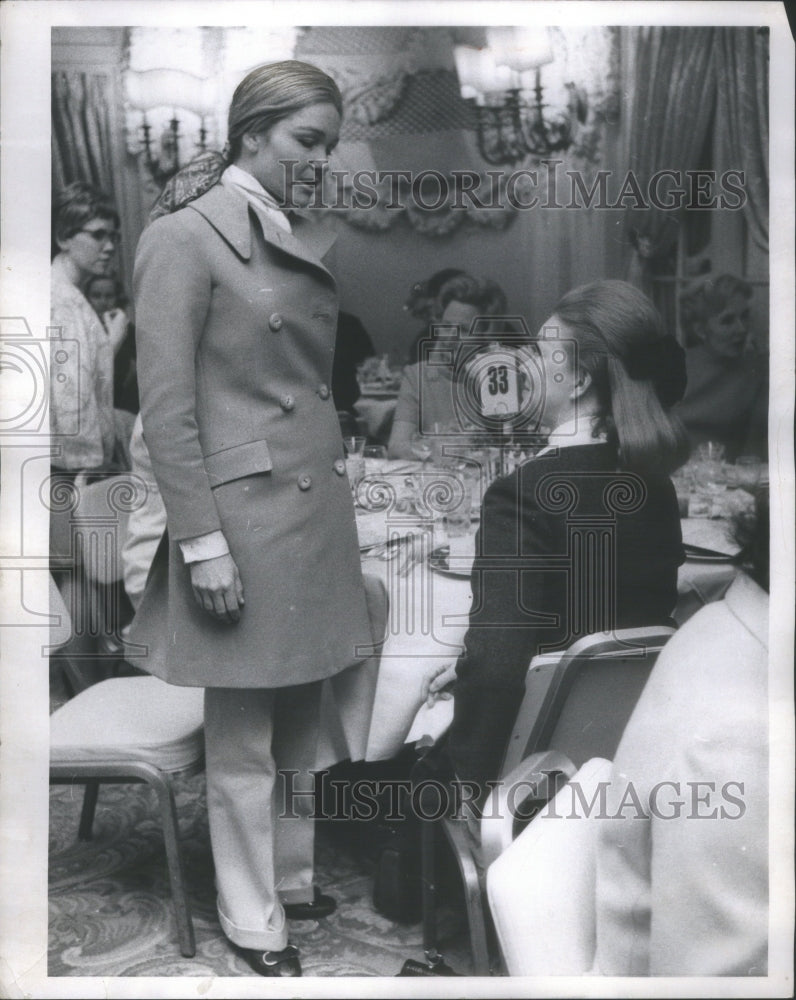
x=60 y=619
x=99 y=523
x=592 y=691
x=541 y=889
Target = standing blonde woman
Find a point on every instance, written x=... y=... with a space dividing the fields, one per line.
x=257 y=595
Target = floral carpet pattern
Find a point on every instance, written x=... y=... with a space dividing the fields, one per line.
x=111 y=912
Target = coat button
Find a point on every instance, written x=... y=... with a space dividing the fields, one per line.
x=275 y=322
x=339 y=467
x=287 y=402
x=304 y=482
x=323 y=390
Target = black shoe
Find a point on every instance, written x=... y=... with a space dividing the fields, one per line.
x=317 y=908
x=274 y=963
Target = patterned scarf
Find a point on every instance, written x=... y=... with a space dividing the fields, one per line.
x=190 y=183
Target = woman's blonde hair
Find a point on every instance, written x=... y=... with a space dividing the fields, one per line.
x=273 y=91
x=636 y=368
x=706 y=297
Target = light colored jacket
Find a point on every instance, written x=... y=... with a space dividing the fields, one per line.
x=682 y=890
x=235 y=327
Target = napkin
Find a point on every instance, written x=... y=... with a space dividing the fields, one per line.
x=373 y=529
x=713 y=536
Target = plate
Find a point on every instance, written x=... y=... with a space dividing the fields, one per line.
x=708 y=540
x=438 y=561
x=694 y=554
x=379 y=391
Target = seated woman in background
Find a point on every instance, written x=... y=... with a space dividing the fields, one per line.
x=607 y=381
x=682 y=890
x=422 y=303
x=107 y=298
x=727 y=395
x=82 y=418
x=426 y=401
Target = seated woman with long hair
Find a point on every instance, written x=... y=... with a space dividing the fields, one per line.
x=607 y=375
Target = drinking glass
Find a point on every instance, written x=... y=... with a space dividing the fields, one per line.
x=710 y=451
x=746 y=472
x=421 y=446
x=355 y=460
x=354 y=446
x=375 y=456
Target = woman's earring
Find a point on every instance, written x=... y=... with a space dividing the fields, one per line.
x=582 y=384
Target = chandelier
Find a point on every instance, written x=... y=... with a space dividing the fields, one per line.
x=178 y=83
x=502 y=83
x=160 y=137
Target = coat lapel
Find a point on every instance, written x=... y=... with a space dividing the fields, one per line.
x=228 y=214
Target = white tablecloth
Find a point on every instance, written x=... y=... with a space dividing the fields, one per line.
x=380 y=702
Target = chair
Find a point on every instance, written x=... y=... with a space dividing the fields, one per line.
x=575 y=707
x=132 y=729
x=140 y=729
x=541 y=889
x=93 y=589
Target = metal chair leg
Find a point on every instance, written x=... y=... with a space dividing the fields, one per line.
x=168 y=810
x=429 y=895
x=473 y=895
x=90 y=794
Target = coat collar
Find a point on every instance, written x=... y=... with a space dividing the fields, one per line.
x=228 y=214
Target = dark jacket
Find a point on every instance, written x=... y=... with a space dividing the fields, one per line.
x=535 y=589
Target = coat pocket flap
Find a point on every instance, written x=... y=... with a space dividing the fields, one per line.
x=237 y=462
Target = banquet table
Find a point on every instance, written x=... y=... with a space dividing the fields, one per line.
x=374 y=708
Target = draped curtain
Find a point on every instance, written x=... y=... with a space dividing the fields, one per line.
x=671 y=75
x=82 y=139
x=742 y=69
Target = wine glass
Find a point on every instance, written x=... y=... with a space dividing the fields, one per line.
x=375 y=457
x=354 y=446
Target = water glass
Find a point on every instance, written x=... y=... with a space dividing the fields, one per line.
x=375 y=456
x=458 y=527
x=421 y=446
x=354 y=446
x=710 y=451
x=746 y=472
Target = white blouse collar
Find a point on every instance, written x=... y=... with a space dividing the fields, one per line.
x=573 y=433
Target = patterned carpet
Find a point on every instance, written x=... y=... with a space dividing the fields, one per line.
x=111 y=912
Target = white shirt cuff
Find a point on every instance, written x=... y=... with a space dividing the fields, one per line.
x=209 y=546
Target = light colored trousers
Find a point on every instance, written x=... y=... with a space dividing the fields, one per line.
x=261 y=826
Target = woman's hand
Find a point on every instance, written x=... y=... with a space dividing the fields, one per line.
x=115 y=322
x=217 y=588
x=434 y=684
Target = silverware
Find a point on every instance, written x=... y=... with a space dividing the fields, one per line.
x=414 y=555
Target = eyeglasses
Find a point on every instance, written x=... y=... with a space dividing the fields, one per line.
x=103 y=235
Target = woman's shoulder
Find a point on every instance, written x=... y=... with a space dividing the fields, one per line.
x=183 y=231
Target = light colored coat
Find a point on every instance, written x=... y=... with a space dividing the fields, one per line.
x=235 y=328
x=683 y=890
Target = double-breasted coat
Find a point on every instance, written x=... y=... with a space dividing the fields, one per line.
x=235 y=328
